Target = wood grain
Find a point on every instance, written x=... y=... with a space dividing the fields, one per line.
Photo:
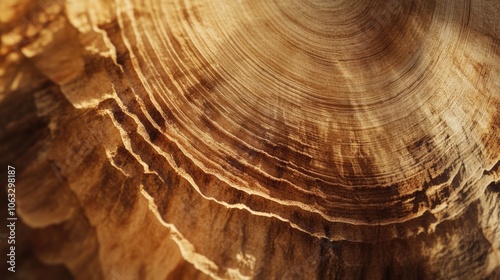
x=256 y=139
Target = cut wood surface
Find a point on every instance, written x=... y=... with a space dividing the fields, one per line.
x=182 y=139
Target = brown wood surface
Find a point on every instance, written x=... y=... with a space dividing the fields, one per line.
x=182 y=139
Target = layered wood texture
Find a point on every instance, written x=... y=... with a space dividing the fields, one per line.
x=256 y=139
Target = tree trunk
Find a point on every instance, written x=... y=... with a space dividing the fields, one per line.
x=229 y=139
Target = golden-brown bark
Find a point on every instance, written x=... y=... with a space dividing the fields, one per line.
x=254 y=139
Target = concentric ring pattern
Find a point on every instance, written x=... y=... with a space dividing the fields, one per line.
x=337 y=118
x=316 y=107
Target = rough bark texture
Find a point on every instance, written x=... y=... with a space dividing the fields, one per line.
x=253 y=139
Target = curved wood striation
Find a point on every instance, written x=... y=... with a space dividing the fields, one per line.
x=257 y=139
